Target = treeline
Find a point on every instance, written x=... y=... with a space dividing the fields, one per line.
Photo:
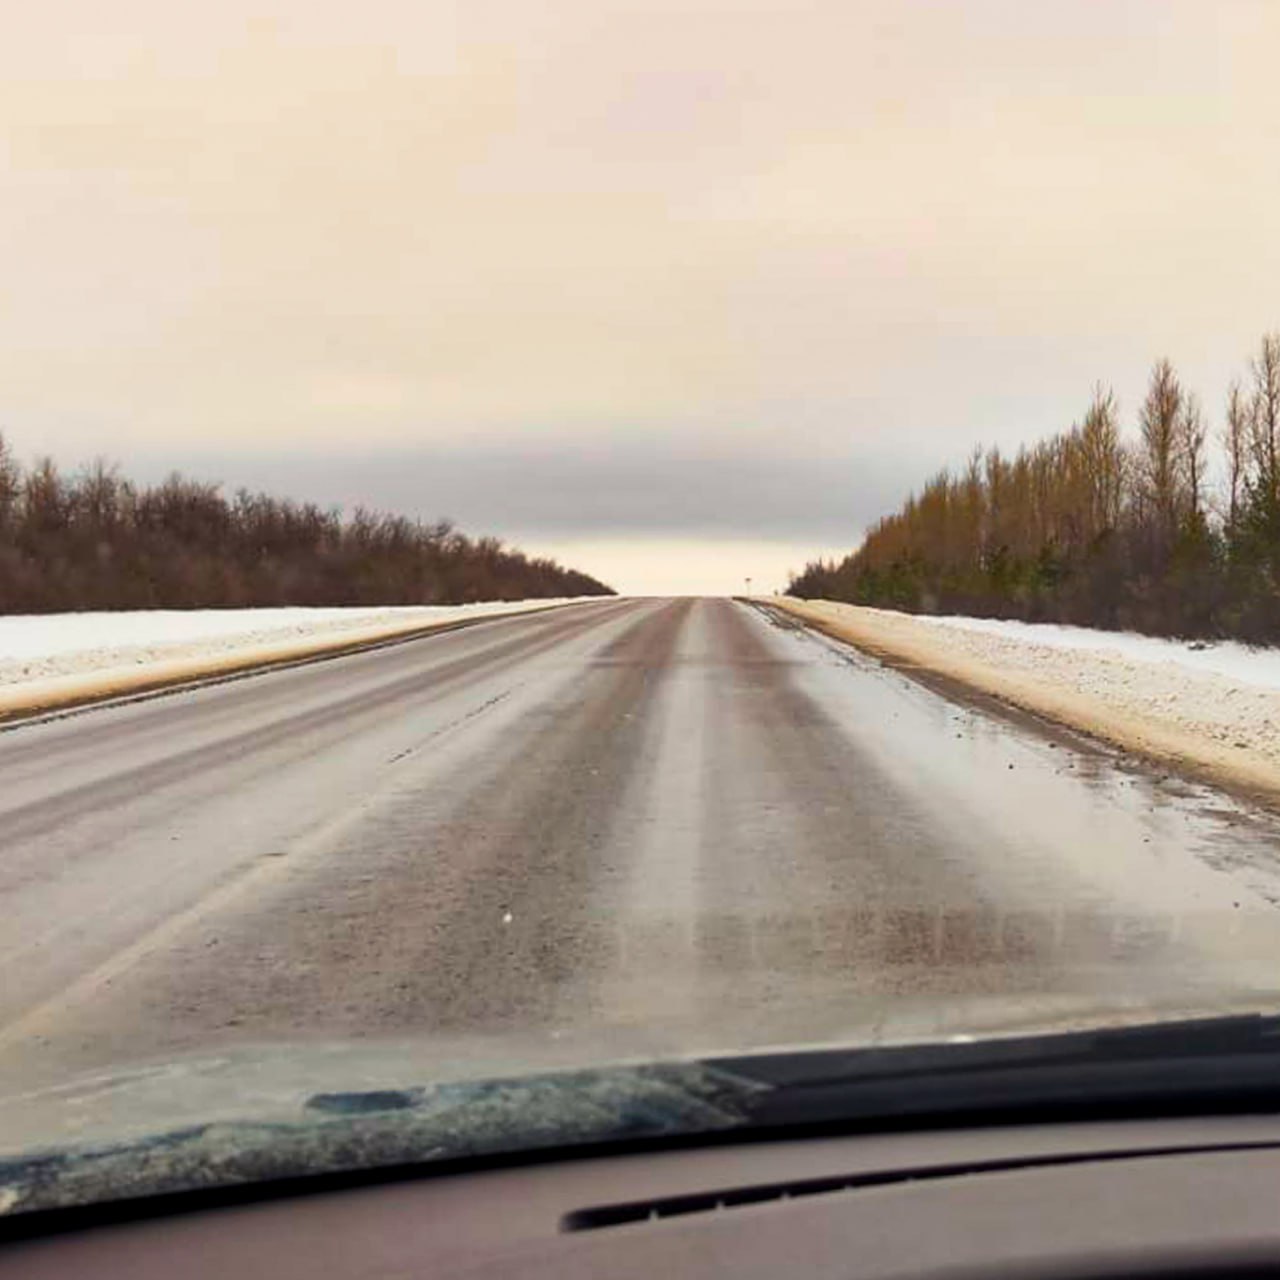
x=1090 y=528
x=94 y=540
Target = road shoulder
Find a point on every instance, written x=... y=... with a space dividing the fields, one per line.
x=23 y=702
x=1143 y=721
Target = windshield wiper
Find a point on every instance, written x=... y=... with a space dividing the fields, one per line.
x=1197 y=1065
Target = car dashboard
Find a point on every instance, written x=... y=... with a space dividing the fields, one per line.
x=1181 y=1196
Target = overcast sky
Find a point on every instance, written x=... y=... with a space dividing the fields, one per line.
x=681 y=290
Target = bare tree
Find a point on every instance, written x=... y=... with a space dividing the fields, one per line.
x=10 y=485
x=1103 y=459
x=1160 y=419
x=45 y=498
x=98 y=490
x=1265 y=433
x=1235 y=448
x=1193 y=436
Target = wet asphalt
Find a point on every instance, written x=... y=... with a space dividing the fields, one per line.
x=627 y=828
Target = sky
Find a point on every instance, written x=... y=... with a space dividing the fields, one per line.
x=685 y=292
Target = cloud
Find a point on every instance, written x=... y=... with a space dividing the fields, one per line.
x=703 y=262
x=567 y=489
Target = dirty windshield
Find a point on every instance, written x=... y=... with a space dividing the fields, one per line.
x=544 y=535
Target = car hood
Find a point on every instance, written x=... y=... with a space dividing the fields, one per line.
x=254 y=1117
x=260 y=1114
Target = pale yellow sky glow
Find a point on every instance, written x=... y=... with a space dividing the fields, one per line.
x=687 y=567
x=726 y=277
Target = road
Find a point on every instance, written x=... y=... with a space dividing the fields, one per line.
x=623 y=827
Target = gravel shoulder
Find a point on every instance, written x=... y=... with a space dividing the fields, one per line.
x=1221 y=726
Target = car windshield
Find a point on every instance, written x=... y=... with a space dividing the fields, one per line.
x=540 y=539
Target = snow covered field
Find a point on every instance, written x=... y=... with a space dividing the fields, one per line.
x=1212 y=705
x=50 y=658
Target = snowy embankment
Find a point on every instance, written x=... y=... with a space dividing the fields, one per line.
x=1213 y=706
x=56 y=659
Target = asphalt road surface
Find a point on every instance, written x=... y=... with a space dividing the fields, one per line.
x=622 y=827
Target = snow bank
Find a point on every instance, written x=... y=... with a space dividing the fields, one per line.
x=1214 y=707
x=51 y=659
x=1239 y=663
